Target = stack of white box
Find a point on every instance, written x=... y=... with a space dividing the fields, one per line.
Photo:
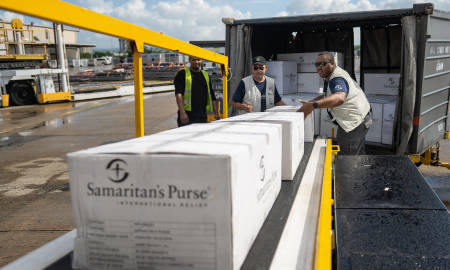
x=382 y=92
x=383 y=114
x=308 y=81
x=285 y=75
x=194 y=196
x=292 y=136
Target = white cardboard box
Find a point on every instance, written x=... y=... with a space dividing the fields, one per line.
x=285 y=75
x=381 y=84
x=388 y=122
x=326 y=125
x=309 y=83
x=383 y=108
x=374 y=133
x=308 y=124
x=292 y=136
x=293 y=100
x=174 y=199
x=305 y=61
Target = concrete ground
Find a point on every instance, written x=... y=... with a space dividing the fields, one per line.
x=439 y=177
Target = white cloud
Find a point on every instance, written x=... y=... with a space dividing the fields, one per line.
x=328 y=6
x=182 y=19
x=282 y=14
x=391 y=4
x=335 y=6
x=100 y=6
x=8 y=16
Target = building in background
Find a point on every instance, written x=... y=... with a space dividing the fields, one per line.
x=36 y=42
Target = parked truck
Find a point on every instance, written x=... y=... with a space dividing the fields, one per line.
x=22 y=80
x=414 y=42
x=30 y=86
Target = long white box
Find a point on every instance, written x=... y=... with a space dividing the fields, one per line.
x=169 y=200
x=326 y=125
x=292 y=136
x=293 y=100
x=309 y=83
x=285 y=75
x=305 y=61
x=381 y=84
x=308 y=121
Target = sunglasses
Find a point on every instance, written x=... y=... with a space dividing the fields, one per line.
x=321 y=64
x=256 y=67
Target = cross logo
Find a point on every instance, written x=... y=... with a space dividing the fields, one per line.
x=117 y=171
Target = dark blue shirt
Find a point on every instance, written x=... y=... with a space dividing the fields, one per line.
x=240 y=93
x=337 y=84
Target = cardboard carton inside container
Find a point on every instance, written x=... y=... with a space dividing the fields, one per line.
x=374 y=133
x=381 y=84
x=383 y=108
x=292 y=136
x=305 y=61
x=309 y=83
x=388 y=122
x=196 y=199
x=285 y=75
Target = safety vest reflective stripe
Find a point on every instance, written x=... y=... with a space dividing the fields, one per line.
x=188 y=91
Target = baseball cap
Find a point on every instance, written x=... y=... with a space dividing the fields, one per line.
x=258 y=60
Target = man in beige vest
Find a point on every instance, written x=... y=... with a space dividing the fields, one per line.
x=346 y=103
x=257 y=92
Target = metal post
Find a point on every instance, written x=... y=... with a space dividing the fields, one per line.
x=20 y=46
x=61 y=59
x=225 y=90
x=138 y=49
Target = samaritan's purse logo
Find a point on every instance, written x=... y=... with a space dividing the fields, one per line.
x=117 y=172
x=262 y=168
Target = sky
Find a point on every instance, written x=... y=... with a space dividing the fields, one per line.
x=201 y=19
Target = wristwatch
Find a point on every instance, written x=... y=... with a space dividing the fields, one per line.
x=315 y=104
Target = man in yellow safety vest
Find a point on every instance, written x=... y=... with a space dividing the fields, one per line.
x=194 y=94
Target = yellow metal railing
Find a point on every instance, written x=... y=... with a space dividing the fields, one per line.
x=324 y=237
x=68 y=14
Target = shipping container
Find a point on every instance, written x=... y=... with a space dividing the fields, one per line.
x=414 y=42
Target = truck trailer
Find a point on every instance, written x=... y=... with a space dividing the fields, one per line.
x=414 y=42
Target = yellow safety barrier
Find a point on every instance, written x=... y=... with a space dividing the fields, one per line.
x=58 y=96
x=324 y=237
x=65 y=13
x=5 y=101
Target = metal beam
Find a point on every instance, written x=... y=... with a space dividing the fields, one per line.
x=208 y=43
